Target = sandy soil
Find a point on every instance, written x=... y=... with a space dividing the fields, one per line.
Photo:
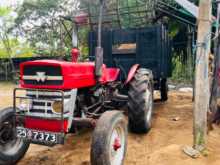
x=162 y=146
x=6 y=94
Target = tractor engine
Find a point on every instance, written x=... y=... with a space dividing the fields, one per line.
x=93 y=102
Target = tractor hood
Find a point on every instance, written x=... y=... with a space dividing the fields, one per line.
x=53 y=74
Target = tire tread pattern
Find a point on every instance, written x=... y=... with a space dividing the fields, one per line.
x=6 y=159
x=137 y=103
x=102 y=134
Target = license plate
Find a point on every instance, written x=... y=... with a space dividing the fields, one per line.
x=36 y=136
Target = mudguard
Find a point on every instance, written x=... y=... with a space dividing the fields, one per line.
x=109 y=75
x=131 y=73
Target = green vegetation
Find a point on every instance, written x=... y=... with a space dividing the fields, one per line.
x=41 y=23
x=181 y=74
x=18 y=49
x=10 y=46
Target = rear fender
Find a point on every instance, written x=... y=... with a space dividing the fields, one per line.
x=131 y=73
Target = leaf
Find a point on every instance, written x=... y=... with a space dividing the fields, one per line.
x=4 y=11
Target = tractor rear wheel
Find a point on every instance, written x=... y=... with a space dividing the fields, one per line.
x=140 y=101
x=109 y=140
x=164 y=90
x=12 y=149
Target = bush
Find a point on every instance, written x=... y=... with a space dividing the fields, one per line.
x=182 y=73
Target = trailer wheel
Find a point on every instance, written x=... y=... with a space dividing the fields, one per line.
x=164 y=90
x=12 y=149
x=109 y=140
x=140 y=101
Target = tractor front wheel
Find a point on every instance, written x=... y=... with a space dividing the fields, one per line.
x=140 y=101
x=109 y=140
x=12 y=149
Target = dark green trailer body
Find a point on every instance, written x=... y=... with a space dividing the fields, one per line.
x=152 y=49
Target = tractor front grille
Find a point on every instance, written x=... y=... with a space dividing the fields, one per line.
x=42 y=75
x=42 y=101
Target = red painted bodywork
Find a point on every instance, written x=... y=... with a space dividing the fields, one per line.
x=110 y=75
x=75 y=75
x=132 y=73
x=46 y=124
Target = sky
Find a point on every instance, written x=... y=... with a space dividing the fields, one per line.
x=6 y=3
x=9 y=3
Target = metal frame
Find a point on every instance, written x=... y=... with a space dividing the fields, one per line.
x=61 y=134
x=15 y=97
x=174 y=11
x=137 y=13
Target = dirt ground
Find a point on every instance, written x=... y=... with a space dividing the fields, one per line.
x=162 y=146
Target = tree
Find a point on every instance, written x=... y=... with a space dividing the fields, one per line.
x=5 y=24
x=42 y=23
x=10 y=46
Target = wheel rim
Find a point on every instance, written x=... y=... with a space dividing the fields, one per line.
x=9 y=144
x=117 y=145
x=148 y=105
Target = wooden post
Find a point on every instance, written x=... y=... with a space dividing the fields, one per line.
x=202 y=81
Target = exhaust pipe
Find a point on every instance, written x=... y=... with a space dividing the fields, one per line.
x=99 y=49
x=98 y=62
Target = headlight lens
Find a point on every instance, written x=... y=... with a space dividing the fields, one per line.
x=25 y=104
x=57 y=107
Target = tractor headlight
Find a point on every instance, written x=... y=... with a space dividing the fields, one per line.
x=57 y=107
x=25 y=104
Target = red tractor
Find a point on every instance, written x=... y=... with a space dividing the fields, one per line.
x=56 y=98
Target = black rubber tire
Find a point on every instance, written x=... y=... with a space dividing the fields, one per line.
x=140 y=110
x=18 y=148
x=102 y=135
x=164 y=90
